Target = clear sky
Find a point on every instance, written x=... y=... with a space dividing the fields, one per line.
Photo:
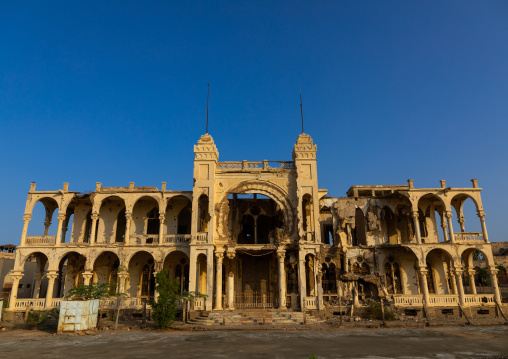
x=115 y=92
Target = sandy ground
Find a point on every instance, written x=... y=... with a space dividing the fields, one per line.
x=435 y=342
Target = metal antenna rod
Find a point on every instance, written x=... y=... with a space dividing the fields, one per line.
x=207 y=100
x=301 y=107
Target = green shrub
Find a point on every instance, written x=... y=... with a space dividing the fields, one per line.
x=43 y=319
x=373 y=311
x=164 y=308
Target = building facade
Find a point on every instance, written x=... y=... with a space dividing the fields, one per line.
x=259 y=235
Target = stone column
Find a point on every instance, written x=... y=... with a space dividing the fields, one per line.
x=52 y=276
x=162 y=217
x=302 y=282
x=445 y=232
x=122 y=276
x=461 y=221
x=26 y=220
x=450 y=226
x=481 y=215
x=425 y=288
x=319 y=287
x=128 y=217
x=416 y=224
x=155 y=292
x=493 y=279
x=281 y=256
x=37 y=285
x=93 y=236
x=14 y=291
x=87 y=277
x=61 y=219
x=47 y=224
x=460 y=286
x=453 y=282
x=472 y=285
x=209 y=279
x=231 y=281
x=218 y=281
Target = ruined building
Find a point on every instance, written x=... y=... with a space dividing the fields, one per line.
x=260 y=234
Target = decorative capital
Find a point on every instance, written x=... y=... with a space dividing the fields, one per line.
x=414 y=214
x=27 y=217
x=61 y=217
x=281 y=254
x=492 y=270
x=481 y=214
x=231 y=254
x=448 y=214
x=87 y=274
x=95 y=216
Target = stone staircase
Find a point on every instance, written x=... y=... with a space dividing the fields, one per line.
x=255 y=317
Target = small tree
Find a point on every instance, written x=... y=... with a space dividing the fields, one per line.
x=164 y=308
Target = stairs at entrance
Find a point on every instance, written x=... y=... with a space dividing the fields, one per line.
x=255 y=317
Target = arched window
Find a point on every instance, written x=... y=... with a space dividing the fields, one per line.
x=307 y=213
x=329 y=279
x=203 y=213
x=147 y=281
x=392 y=276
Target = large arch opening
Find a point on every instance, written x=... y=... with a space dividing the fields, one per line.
x=106 y=225
x=145 y=221
x=431 y=217
x=177 y=265
x=43 y=212
x=34 y=283
x=70 y=273
x=105 y=270
x=440 y=276
x=467 y=222
x=141 y=273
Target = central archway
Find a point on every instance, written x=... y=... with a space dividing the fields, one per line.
x=267 y=189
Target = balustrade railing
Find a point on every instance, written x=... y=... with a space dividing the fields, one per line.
x=403 y=300
x=468 y=236
x=144 y=239
x=40 y=240
x=311 y=302
x=34 y=303
x=479 y=299
x=439 y=300
x=198 y=304
x=202 y=237
x=255 y=165
x=177 y=238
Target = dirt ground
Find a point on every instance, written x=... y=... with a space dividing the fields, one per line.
x=431 y=342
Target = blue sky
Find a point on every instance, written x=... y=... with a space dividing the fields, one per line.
x=116 y=92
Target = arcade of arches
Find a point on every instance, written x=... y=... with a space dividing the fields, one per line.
x=261 y=234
